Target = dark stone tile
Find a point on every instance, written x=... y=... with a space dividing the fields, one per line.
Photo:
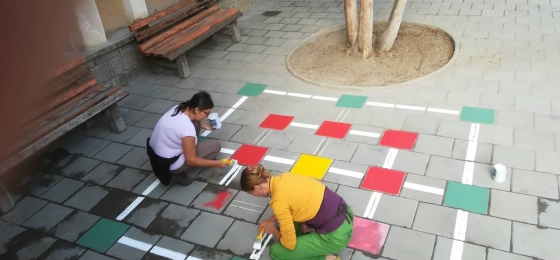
x=62 y=250
x=63 y=190
x=113 y=204
x=74 y=226
x=27 y=245
x=174 y=220
x=47 y=217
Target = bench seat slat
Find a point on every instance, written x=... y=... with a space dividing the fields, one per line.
x=163 y=13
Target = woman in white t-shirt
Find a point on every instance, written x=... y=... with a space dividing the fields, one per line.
x=175 y=139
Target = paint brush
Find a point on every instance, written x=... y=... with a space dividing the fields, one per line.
x=258 y=242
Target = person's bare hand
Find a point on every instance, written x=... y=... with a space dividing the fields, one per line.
x=269 y=227
x=220 y=164
x=266 y=221
x=207 y=126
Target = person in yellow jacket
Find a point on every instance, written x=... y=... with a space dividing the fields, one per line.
x=315 y=222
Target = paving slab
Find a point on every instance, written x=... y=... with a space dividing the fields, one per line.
x=454 y=129
x=86 y=146
x=470 y=251
x=488 y=231
x=112 y=205
x=246 y=207
x=24 y=209
x=103 y=173
x=63 y=190
x=368 y=236
x=515 y=157
x=145 y=212
x=305 y=144
x=139 y=139
x=277 y=140
x=135 y=158
x=349 y=174
x=524 y=209
x=80 y=167
x=278 y=160
x=434 y=219
x=214 y=198
x=396 y=211
x=174 y=220
x=495 y=134
x=41 y=183
x=62 y=250
x=424 y=189
x=532 y=241
x=533 y=139
x=145 y=184
x=28 y=245
x=8 y=232
x=128 y=247
x=370 y=155
x=239 y=238
x=74 y=225
x=183 y=195
x=47 y=217
x=445 y=168
x=535 y=183
x=128 y=179
x=248 y=135
x=90 y=255
x=482 y=176
x=169 y=248
x=113 y=152
x=205 y=253
x=548 y=213
x=361 y=256
x=483 y=151
x=421 y=124
x=467 y=197
x=207 y=229
x=102 y=235
x=411 y=162
x=547 y=161
x=356 y=198
x=87 y=197
x=494 y=254
x=435 y=145
x=408 y=244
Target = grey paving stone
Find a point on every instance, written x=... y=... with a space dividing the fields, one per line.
x=548 y=213
x=514 y=119
x=547 y=161
x=470 y=251
x=214 y=198
x=103 y=173
x=482 y=176
x=149 y=121
x=155 y=193
x=80 y=167
x=353 y=181
x=225 y=133
x=435 y=220
x=87 y=197
x=454 y=129
x=62 y=250
x=515 y=157
x=128 y=179
x=246 y=207
x=532 y=241
x=408 y=244
x=305 y=144
x=122 y=251
x=495 y=134
x=73 y=226
x=410 y=162
x=140 y=138
x=358 y=117
x=524 y=208
x=338 y=149
x=134 y=158
x=445 y=168
x=532 y=104
x=276 y=139
x=175 y=245
x=488 y=231
x=436 y=145
x=113 y=152
x=497 y=101
x=183 y=195
x=361 y=256
x=483 y=151
x=42 y=183
x=279 y=165
x=463 y=98
x=174 y=220
x=86 y=146
x=128 y=133
x=535 y=183
x=145 y=212
x=533 y=139
x=205 y=253
x=350 y=194
x=183 y=95
x=388 y=120
x=547 y=122
x=412 y=192
x=494 y=254
x=159 y=106
x=8 y=232
x=238 y=237
x=28 y=245
x=62 y=190
x=137 y=102
x=207 y=229
x=112 y=205
x=395 y=211
x=248 y=135
x=370 y=155
x=47 y=217
x=419 y=124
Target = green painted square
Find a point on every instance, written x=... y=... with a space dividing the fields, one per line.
x=251 y=90
x=478 y=115
x=237 y=258
x=102 y=235
x=351 y=101
x=202 y=139
x=467 y=197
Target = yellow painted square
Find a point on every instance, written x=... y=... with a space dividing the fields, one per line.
x=312 y=166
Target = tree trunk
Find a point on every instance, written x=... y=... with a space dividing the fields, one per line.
x=387 y=39
x=365 y=35
x=351 y=15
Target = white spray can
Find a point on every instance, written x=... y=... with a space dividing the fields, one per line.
x=500 y=173
x=215 y=121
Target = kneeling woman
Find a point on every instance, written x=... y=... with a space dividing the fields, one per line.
x=173 y=147
x=315 y=222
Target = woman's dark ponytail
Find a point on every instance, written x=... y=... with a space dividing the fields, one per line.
x=202 y=100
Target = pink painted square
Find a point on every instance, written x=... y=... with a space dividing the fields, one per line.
x=368 y=235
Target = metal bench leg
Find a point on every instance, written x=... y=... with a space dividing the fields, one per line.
x=116 y=121
x=234 y=31
x=6 y=201
x=183 y=67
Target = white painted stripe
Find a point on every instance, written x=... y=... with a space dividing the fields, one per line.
x=390 y=159
x=468 y=173
x=245 y=208
x=324 y=98
x=346 y=172
x=278 y=160
x=302 y=125
x=243 y=202
x=130 y=208
x=324 y=146
x=471 y=150
x=193 y=258
x=233 y=176
x=363 y=133
x=167 y=253
x=229 y=173
x=151 y=187
x=256 y=255
x=258 y=137
x=456 y=250
x=134 y=243
x=319 y=146
x=411 y=107
x=347 y=112
x=473 y=134
x=227 y=151
x=423 y=188
x=298 y=95
x=269 y=131
x=372 y=205
x=461 y=225
x=379 y=104
x=443 y=111
x=275 y=92
x=236 y=105
x=227 y=114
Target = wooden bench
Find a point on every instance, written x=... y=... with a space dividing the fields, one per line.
x=73 y=97
x=166 y=35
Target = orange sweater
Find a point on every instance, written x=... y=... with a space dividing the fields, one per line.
x=294 y=198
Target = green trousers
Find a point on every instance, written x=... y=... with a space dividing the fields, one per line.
x=311 y=246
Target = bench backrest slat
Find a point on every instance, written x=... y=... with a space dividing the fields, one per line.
x=163 y=13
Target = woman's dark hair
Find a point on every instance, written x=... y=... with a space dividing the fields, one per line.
x=202 y=100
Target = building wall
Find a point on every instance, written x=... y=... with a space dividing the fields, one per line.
x=112 y=14
x=117 y=65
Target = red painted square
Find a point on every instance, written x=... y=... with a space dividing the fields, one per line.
x=383 y=180
x=368 y=235
x=276 y=122
x=399 y=139
x=249 y=154
x=333 y=129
